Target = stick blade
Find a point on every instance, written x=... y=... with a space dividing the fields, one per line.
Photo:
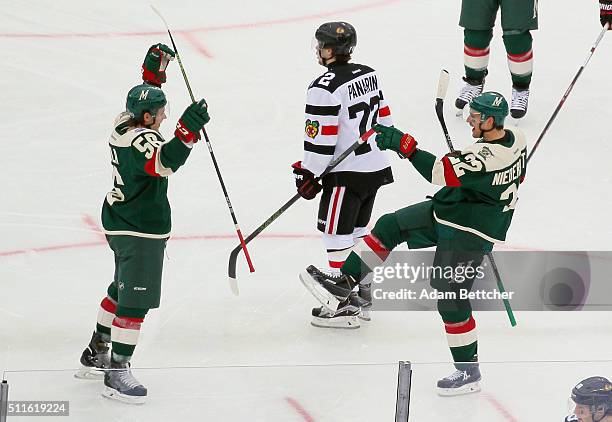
x=233 y=283
x=442 y=84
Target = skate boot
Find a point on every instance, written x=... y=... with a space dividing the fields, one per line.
x=520 y=98
x=365 y=301
x=464 y=380
x=346 y=316
x=329 y=290
x=94 y=359
x=120 y=384
x=472 y=89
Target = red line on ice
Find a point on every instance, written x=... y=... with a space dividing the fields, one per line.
x=93 y=226
x=500 y=408
x=280 y=21
x=298 y=408
x=83 y=245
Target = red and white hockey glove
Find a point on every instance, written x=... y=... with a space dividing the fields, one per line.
x=192 y=121
x=307 y=186
x=605 y=13
x=155 y=63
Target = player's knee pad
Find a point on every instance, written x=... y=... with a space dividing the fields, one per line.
x=124 y=311
x=477 y=38
x=518 y=43
x=387 y=231
x=454 y=313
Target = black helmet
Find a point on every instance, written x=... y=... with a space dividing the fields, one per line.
x=595 y=392
x=341 y=37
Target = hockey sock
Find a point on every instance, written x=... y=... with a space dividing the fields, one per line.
x=520 y=58
x=125 y=332
x=338 y=247
x=336 y=258
x=462 y=337
x=106 y=313
x=476 y=53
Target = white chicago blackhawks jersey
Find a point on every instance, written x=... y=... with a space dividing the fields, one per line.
x=342 y=105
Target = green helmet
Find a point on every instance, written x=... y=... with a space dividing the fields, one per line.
x=491 y=104
x=143 y=98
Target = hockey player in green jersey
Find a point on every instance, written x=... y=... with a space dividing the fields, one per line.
x=518 y=18
x=136 y=220
x=463 y=220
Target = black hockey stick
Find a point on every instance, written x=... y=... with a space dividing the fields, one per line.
x=442 y=88
x=231 y=268
x=567 y=92
x=208 y=144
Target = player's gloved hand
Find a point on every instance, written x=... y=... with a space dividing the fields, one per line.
x=155 y=63
x=605 y=13
x=305 y=181
x=192 y=121
x=388 y=137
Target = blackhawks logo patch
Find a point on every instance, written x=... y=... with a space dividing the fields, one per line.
x=312 y=128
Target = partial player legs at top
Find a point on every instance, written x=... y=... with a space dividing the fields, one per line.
x=517 y=20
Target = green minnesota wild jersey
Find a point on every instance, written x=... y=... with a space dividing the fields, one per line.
x=142 y=161
x=480 y=184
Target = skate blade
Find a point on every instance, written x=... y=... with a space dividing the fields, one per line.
x=324 y=297
x=364 y=315
x=109 y=393
x=470 y=388
x=87 y=373
x=459 y=112
x=343 y=322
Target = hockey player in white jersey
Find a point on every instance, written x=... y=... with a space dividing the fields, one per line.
x=341 y=105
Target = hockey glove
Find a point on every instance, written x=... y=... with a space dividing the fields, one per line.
x=155 y=63
x=192 y=121
x=395 y=140
x=605 y=13
x=307 y=186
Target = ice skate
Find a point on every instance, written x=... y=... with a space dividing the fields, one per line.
x=120 y=384
x=329 y=290
x=95 y=359
x=472 y=89
x=364 y=300
x=346 y=316
x=520 y=99
x=462 y=381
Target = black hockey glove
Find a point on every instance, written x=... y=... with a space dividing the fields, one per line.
x=307 y=186
x=605 y=13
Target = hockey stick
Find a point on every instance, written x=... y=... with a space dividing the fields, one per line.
x=442 y=88
x=231 y=269
x=567 y=92
x=208 y=144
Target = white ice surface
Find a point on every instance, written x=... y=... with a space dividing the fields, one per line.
x=66 y=68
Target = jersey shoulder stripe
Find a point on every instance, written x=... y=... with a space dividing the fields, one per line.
x=317 y=110
x=337 y=76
